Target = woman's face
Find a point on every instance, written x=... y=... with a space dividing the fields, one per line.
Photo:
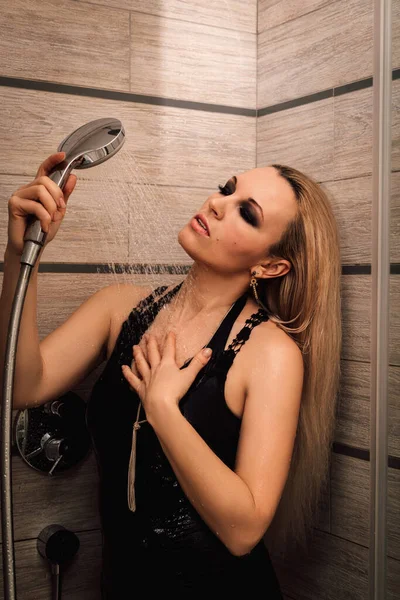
x=244 y=218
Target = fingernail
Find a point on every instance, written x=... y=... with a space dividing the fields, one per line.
x=207 y=351
x=62 y=203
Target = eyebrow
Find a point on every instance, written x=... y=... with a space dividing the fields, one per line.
x=234 y=178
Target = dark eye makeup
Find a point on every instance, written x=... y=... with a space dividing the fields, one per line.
x=246 y=209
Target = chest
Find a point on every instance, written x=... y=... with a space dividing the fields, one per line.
x=190 y=338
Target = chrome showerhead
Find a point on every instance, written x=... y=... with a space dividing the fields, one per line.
x=86 y=147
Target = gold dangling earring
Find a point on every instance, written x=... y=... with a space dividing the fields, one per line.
x=253 y=283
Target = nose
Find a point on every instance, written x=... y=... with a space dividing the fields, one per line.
x=217 y=204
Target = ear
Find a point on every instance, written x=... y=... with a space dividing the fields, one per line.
x=273 y=268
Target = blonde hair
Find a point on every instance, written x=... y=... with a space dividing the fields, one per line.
x=306 y=304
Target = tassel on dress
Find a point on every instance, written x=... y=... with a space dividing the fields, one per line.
x=132 y=463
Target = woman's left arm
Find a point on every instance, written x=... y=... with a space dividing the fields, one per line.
x=239 y=505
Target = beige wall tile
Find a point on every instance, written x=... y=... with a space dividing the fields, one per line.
x=319 y=50
x=353 y=134
x=353 y=55
x=353 y=409
x=394 y=320
x=353 y=114
x=394 y=410
x=354 y=406
x=392 y=518
x=168 y=210
x=301 y=137
x=192 y=61
x=395 y=34
x=236 y=14
x=275 y=12
x=75 y=288
x=395 y=118
x=164 y=145
x=69 y=499
x=65 y=42
x=333 y=569
x=113 y=222
x=296 y=58
x=393 y=578
x=350 y=481
x=350 y=502
x=351 y=202
x=80 y=579
x=356 y=317
x=394 y=217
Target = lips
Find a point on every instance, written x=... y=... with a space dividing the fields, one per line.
x=204 y=221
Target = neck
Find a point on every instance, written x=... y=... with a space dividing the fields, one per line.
x=206 y=291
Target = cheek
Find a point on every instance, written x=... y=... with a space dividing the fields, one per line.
x=236 y=242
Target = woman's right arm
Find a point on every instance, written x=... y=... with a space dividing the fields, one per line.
x=44 y=370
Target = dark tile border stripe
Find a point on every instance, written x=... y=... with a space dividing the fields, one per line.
x=60 y=88
x=143 y=269
x=347 y=88
x=362 y=454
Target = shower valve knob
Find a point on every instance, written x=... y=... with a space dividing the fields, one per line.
x=53 y=437
x=53 y=448
x=54 y=407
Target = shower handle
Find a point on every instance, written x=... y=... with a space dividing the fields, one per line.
x=35 y=237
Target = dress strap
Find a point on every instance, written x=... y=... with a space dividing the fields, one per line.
x=244 y=334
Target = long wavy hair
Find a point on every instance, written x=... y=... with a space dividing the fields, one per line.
x=306 y=304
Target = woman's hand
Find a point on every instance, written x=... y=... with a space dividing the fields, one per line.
x=42 y=198
x=162 y=381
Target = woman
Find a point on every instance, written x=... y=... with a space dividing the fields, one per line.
x=203 y=458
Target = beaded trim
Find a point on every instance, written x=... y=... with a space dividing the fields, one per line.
x=244 y=334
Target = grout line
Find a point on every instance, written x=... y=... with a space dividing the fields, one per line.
x=200 y=187
x=140 y=12
x=77 y=531
x=297 y=17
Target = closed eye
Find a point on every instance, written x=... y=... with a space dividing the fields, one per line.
x=246 y=210
x=248 y=215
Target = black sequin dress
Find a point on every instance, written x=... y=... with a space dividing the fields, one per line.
x=165 y=546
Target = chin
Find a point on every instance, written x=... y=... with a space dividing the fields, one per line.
x=188 y=242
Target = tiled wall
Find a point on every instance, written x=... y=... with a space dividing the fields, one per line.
x=182 y=79
x=314 y=101
x=185 y=80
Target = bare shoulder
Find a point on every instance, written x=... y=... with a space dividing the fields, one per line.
x=122 y=298
x=272 y=349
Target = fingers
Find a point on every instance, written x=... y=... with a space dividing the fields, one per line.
x=198 y=362
x=170 y=346
x=133 y=380
x=153 y=352
x=51 y=161
x=42 y=191
x=69 y=187
x=141 y=363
